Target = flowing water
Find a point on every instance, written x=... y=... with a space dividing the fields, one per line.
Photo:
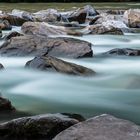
x=114 y=90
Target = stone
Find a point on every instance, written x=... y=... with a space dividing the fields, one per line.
x=12 y=34
x=132 y=18
x=123 y=51
x=39 y=127
x=45 y=29
x=5 y=25
x=13 y=20
x=5 y=105
x=30 y=45
x=1 y=66
x=103 y=127
x=49 y=63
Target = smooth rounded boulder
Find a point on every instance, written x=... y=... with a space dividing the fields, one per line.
x=30 y=45
x=103 y=127
x=49 y=63
x=45 y=126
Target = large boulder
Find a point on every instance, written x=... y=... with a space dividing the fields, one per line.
x=123 y=51
x=13 y=20
x=80 y=14
x=45 y=29
x=132 y=18
x=49 y=15
x=104 y=127
x=38 y=45
x=38 y=127
x=5 y=105
x=49 y=63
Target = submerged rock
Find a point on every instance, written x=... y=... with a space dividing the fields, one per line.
x=38 y=127
x=1 y=66
x=104 y=127
x=132 y=18
x=123 y=51
x=49 y=63
x=5 y=105
x=40 y=45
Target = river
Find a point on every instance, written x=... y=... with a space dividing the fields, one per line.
x=114 y=90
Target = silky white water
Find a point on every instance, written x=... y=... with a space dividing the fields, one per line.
x=114 y=90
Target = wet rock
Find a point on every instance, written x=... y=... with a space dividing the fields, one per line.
x=22 y=14
x=38 y=127
x=0 y=33
x=5 y=25
x=12 y=34
x=132 y=18
x=80 y=14
x=45 y=29
x=1 y=66
x=123 y=51
x=5 y=105
x=112 y=11
x=40 y=45
x=49 y=15
x=101 y=29
x=104 y=127
x=48 y=63
x=13 y=20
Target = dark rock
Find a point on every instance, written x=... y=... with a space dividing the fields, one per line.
x=49 y=63
x=5 y=25
x=1 y=66
x=0 y=33
x=80 y=14
x=39 y=45
x=5 y=105
x=38 y=127
x=12 y=34
x=104 y=127
x=123 y=51
x=13 y=20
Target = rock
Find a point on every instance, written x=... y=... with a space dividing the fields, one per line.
x=112 y=11
x=49 y=15
x=22 y=14
x=5 y=105
x=13 y=20
x=49 y=63
x=132 y=18
x=45 y=29
x=123 y=51
x=38 y=127
x=80 y=14
x=0 y=33
x=40 y=45
x=12 y=34
x=5 y=25
x=1 y=66
x=103 y=127
x=101 y=29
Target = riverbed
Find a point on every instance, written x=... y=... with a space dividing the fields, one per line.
x=114 y=90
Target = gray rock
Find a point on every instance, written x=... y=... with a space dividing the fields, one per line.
x=1 y=66
x=38 y=127
x=123 y=51
x=104 y=127
x=45 y=29
x=49 y=63
x=5 y=25
x=38 y=45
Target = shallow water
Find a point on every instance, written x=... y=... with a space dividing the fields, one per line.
x=114 y=90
